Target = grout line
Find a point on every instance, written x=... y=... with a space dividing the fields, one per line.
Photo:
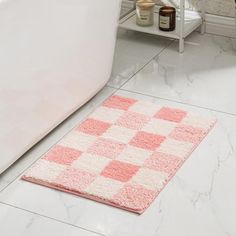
x=53 y=219
x=28 y=166
x=142 y=67
x=219 y=35
x=176 y=101
x=158 y=54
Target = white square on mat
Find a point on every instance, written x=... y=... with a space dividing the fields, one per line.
x=91 y=163
x=197 y=121
x=158 y=126
x=119 y=133
x=104 y=187
x=106 y=114
x=151 y=179
x=77 y=140
x=134 y=155
x=145 y=108
x=176 y=148
x=45 y=170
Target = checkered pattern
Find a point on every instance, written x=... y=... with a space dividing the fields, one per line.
x=123 y=154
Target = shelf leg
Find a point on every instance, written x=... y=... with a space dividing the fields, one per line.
x=203 y=28
x=182 y=22
x=203 y=13
x=181 y=45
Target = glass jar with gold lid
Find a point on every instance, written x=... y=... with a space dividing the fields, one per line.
x=145 y=12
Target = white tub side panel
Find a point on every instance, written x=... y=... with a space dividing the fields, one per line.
x=54 y=56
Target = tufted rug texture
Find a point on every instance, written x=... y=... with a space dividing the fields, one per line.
x=123 y=154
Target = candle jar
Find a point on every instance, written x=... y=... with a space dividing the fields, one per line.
x=167 y=18
x=145 y=12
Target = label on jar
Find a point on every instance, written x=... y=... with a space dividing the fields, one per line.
x=164 y=22
x=144 y=16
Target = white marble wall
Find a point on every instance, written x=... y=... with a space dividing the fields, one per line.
x=225 y=7
x=216 y=7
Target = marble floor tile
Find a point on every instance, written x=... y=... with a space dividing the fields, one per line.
x=204 y=75
x=27 y=159
x=133 y=51
x=15 y=222
x=200 y=199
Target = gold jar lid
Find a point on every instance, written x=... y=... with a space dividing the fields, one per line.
x=145 y=4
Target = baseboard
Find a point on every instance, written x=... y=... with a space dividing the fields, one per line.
x=219 y=25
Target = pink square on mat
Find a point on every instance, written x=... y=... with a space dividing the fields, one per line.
x=163 y=162
x=188 y=133
x=74 y=179
x=171 y=114
x=119 y=102
x=132 y=120
x=119 y=171
x=106 y=147
x=62 y=155
x=135 y=197
x=93 y=127
x=147 y=140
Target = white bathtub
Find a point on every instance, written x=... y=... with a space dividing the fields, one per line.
x=54 y=56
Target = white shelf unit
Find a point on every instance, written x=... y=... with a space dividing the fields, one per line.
x=186 y=22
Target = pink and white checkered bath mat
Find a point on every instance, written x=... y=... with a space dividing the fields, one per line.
x=123 y=154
